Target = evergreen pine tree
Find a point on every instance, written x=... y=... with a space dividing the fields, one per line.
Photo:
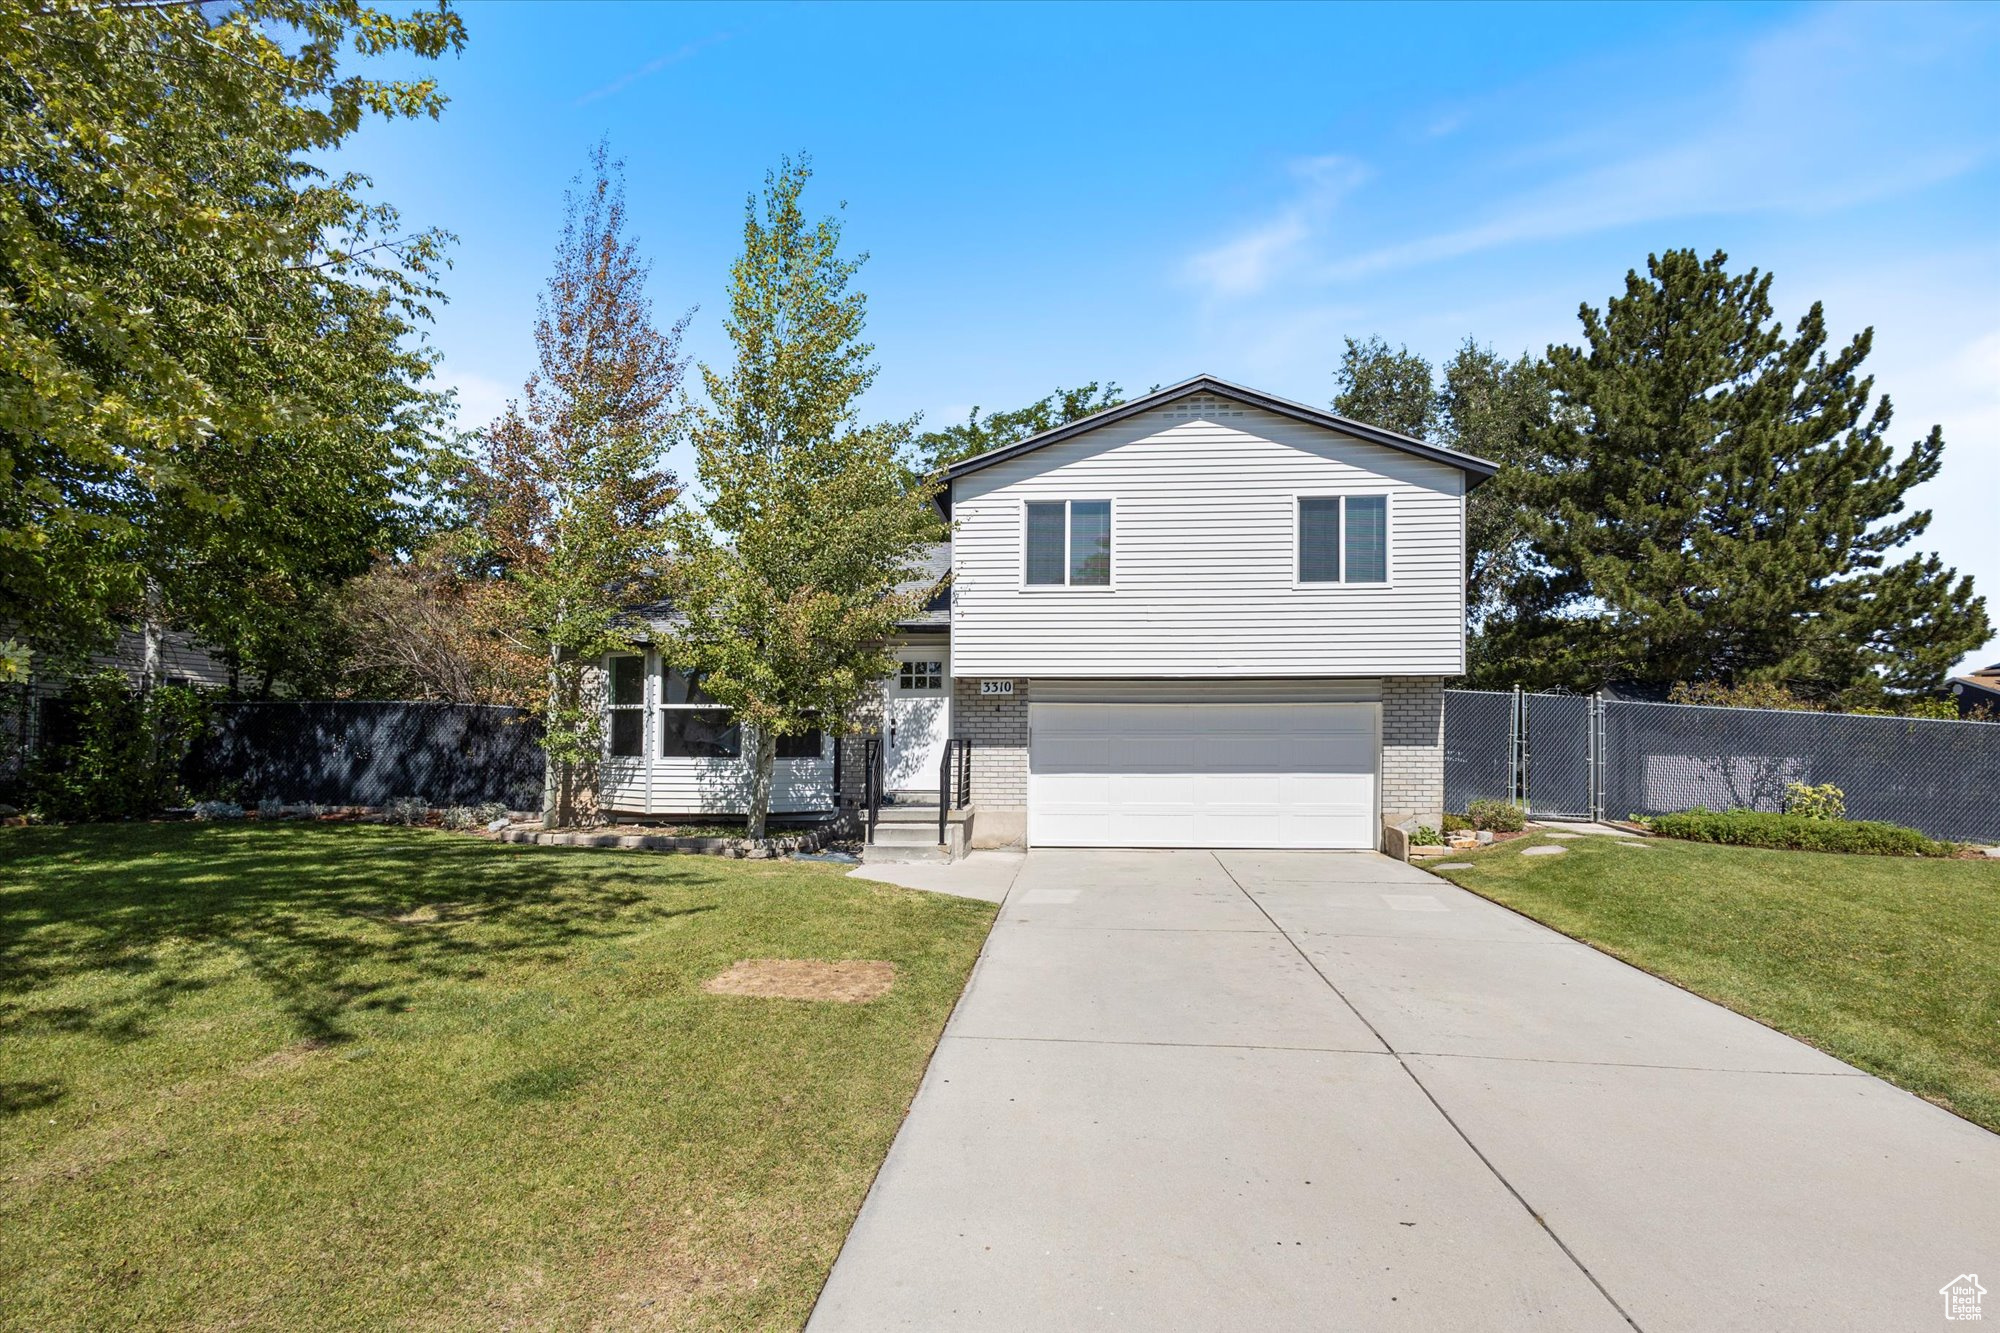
x=1719 y=502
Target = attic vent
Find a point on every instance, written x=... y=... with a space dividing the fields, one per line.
x=1202 y=406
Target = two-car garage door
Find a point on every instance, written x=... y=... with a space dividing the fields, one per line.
x=1202 y=774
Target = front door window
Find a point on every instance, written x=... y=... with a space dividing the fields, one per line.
x=918 y=721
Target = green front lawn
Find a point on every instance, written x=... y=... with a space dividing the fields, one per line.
x=1890 y=963
x=344 y=1077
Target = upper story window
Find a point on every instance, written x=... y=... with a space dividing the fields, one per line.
x=1067 y=543
x=1343 y=538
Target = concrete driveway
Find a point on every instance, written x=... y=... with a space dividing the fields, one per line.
x=1275 y=1090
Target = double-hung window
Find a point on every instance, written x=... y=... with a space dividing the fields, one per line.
x=1343 y=538
x=691 y=726
x=1067 y=544
x=625 y=704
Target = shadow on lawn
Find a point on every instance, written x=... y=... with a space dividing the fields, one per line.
x=122 y=921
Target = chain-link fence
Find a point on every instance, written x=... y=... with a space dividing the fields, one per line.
x=367 y=753
x=1941 y=777
x=1480 y=747
x=1572 y=756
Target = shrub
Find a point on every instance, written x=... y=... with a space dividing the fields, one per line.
x=1498 y=816
x=407 y=810
x=1423 y=835
x=1456 y=823
x=214 y=810
x=119 y=754
x=1798 y=833
x=270 y=807
x=1825 y=801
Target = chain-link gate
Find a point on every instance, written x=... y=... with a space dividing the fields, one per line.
x=1559 y=765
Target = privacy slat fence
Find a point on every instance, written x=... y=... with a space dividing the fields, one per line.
x=344 y=752
x=1576 y=756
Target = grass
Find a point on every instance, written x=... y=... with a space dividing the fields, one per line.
x=1885 y=962
x=343 y=1077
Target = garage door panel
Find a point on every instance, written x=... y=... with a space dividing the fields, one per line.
x=1195 y=775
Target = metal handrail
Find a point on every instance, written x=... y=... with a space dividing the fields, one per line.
x=872 y=781
x=952 y=795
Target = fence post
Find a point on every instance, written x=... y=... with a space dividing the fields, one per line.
x=1517 y=757
x=1597 y=756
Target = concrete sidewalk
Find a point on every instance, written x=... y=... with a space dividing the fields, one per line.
x=1318 y=1091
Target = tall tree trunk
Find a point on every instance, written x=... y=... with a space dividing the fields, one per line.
x=152 y=633
x=762 y=766
x=556 y=804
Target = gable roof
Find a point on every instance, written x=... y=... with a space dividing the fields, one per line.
x=1475 y=469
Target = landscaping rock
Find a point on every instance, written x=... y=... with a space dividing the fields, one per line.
x=1484 y=837
x=7 y=811
x=1993 y=852
x=1544 y=851
x=497 y=825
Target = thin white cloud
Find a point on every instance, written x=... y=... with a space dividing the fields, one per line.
x=1246 y=264
x=652 y=67
x=1819 y=116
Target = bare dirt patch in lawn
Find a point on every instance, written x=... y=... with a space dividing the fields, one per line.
x=854 y=982
x=287 y=1058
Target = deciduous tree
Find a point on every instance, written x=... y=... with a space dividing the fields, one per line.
x=1481 y=404
x=571 y=490
x=206 y=379
x=801 y=558
x=980 y=433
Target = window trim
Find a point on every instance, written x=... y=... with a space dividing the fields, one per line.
x=943 y=674
x=644 y=708
x=1021 y=568
x=653 y=705
x=1388 y=499
x=658 y=721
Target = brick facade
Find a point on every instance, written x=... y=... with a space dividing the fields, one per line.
x=1413 y=745
x=998 y=730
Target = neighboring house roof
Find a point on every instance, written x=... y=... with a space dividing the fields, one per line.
x=1476 y=469
x=1981 y=687
x=649 y=621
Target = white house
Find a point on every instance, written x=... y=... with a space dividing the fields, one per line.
x=1206 y=618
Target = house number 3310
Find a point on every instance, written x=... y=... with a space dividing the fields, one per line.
x=992 y=687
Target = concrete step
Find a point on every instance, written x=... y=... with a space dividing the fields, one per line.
x=912 y=814
x=908 y=835
x=876 y=854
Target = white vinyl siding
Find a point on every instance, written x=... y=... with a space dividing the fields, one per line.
x=652 y=784
x=1206 y=564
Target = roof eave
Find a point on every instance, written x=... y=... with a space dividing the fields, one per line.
x=1476 y=469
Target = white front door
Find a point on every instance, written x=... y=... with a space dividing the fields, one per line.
x=918 y=721
x=1202 y=775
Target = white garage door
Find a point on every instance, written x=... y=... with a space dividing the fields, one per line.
x=1202 y=775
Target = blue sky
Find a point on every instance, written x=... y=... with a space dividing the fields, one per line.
x=1057 y=194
